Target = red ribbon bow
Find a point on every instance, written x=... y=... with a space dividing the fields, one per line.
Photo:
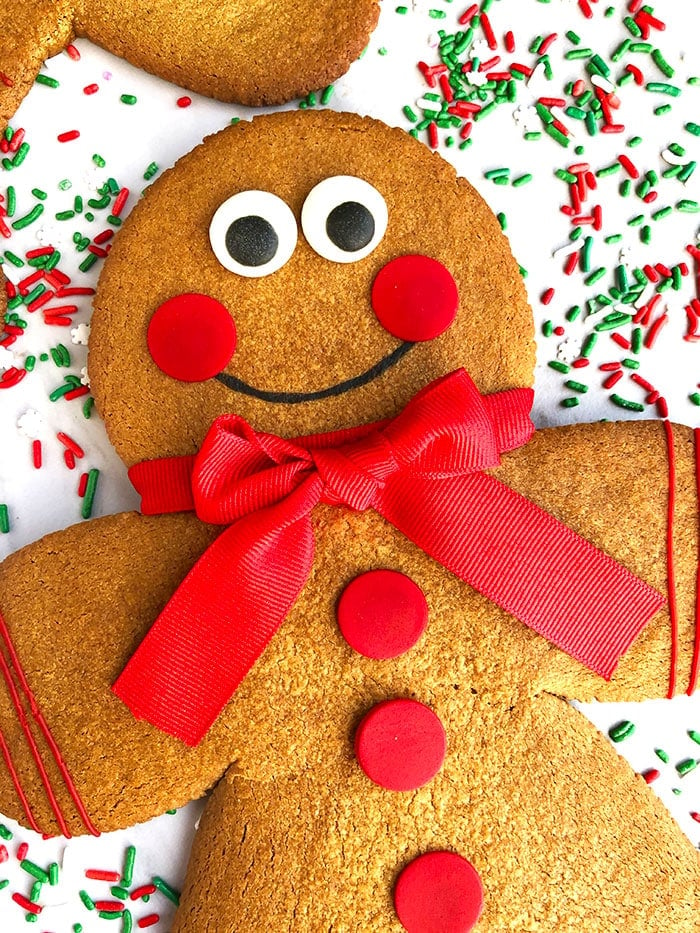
x=422 y=471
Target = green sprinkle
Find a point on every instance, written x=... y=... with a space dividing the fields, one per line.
x=645 y=234
x=494 y=173
x=662 y=109
x=532 y=136
x=547 y=329
x=559 y=366
x=661 y=87
x=631 y=27
x=150 y=171
x=65 y=185
x=695 y=398
x=625 y=403
x=87 y=407
x=87 y=900
x=636 y=221
x=588 y=345
x=501 y=217
x=522 y=180
x=129 y=859
x=4 y=529
x=53 y=874
x=644 y=47
x=687 y=206
x=29 y=363
x=663 y=212
x=36 y=891
x=98 y=160
x=686 y=172
x=574 y=54
x=571 y=402
x=662 y=64
x=576 y=386
x=630 y=364
x=89 y=498
x=693 y=128
x=29 y=218
x=110 y=914
x=5 y=833
x=686 y=766
x=65 y=215
x=166 y=890
x=662 y=755
x=16 y=261
x=695 y=736
x=636 y=340
x=128 y=99
x=34 y=870
x=119 y=892
x=4 y=883
x=608 y=170
x=401 y=10
x=437 y=14
x=621 y=731
x=595 y=276
x=573 y=313
x=46 y=81
x=127 y=922
x=88 y=262
x=573 y=37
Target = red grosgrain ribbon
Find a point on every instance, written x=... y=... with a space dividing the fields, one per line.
x=422 y=471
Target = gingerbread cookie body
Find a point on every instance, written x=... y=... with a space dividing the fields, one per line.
x=250 y=53
x=528 y=819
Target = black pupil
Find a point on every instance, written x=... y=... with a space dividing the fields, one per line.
x=252 y=241
x=350 y=226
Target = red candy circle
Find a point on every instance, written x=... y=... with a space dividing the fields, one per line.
x=415 y=298
x=382 y=614
x=400 y=744
x=191 y=337
x=439 y=892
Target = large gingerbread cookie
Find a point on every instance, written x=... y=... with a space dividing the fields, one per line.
x=249 y=52
x=361 y=649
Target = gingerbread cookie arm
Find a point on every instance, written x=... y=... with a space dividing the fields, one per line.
x=30 y=32
x=630 y=489
x=74 y=607
x=554 y=822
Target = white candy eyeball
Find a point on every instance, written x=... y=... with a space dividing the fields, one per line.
x=253 y=233
x=344 y=218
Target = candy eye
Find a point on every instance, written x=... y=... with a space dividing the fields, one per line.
x=344 y=218
x=253 y=233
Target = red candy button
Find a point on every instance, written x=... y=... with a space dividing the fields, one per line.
x=439 y=892
x=382 y=614
x=415 y=298
x=400 y=744
x=191 y=337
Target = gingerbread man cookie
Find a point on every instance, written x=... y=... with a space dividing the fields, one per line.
x=361 y=602
x=248 y=52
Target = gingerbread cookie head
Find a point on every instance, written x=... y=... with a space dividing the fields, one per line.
x=248 y=52
x=307 y=271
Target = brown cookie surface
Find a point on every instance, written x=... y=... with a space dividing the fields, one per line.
x=245 y=52
x=310 y=325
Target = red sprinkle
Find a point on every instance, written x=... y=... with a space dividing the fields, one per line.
x=4 y=854
x=91 y=89
x=26 y=904
x=651 y=775
x=70 y=444
x=97 y=874
x=148 y=921
x=612 y=380
x=184 y=101
x=144 y=890
x=433 y=136
x=112 y=906
x=22 y=852
x=488 y=32
x=509 y=41
x=36 y=454
x=73 y=52
x=469 y=14
x=68 y=136
x=547 y=296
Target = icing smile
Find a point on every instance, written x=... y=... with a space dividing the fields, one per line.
x=294 y=398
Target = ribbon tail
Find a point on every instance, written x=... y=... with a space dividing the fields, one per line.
x=527 y=562
x=221 y=618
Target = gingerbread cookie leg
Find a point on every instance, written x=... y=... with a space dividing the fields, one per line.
x=631 y=489
x=523 y=792
x=74 y=606
x=32 y=30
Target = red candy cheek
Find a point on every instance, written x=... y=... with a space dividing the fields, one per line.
x=191 y=337
x=415 y=298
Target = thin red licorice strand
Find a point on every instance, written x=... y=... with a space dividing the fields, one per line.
x=4 y=748
x=670 y=562
x=33 y=747
x=695 y=667
x=46 y=732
